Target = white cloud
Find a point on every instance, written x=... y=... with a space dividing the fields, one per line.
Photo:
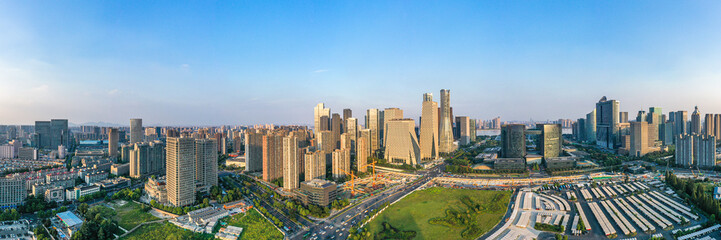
x=185 y=65
x=113 y=92
x=320 y=70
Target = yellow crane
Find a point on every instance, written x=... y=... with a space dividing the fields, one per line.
x=352 y=182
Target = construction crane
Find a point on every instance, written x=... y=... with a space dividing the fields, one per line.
x=373 y=166
x=352 y=182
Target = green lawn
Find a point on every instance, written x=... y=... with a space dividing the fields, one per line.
x=130 y=214
x=414 y=212
x=163 y=231
x=254 y=225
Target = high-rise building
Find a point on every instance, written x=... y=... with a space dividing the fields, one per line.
x=550 y=140
x=315 y=167
x=373 y=123
x=291 y=163
x=272 y=156
x=326 y=141
x=363 y=151
x=704 y=147
x=681 y=119
x=253 y=151
x=641 y=116
x=513 y=141
x=341 y=163
x=351 y=128
x=623 y=117
x=639 y=139
x=402 y=147
x=429 y=128
x=666 y=133
x=336 y=129
x=591 y=126
x=464 y=129
x=347 y=113
x=696 y=121
x=607 y=123
x=445 y=129
x=13 y=192
x=708 y=123
x=113 y=139
x=51 y=134
x=206 y=162
x=390 y=114
x=136 y=130
x=319 y=112
x=717 y=125
x=180 y=171
x=147 y=159
x=684 y=149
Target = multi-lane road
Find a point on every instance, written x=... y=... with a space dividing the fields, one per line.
x=338 y=225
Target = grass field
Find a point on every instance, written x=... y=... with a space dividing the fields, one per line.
x=163 y=231
x=130 y=214
x=414 y=212
x=254 y=226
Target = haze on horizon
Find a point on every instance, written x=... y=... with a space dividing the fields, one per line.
x=256 y=62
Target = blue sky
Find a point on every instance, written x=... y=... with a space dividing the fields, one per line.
x=252 y=62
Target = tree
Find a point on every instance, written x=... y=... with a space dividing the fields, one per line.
x=83 y=208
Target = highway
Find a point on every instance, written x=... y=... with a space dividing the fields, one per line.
x=338 y=225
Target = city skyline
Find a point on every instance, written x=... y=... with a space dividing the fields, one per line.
x=258 y=63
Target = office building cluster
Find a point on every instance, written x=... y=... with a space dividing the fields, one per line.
x=548 y=142
x=694 y=138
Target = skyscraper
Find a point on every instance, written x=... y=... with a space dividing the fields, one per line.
x=513 y=141
x=147 y=159
x=429 y=128
x=291 y=163
x=680 y=118
x=402 y=147
x=113 y=139
x=341 y=163
x=336 y=129
x=315 y=165
x=684 y=149
x=51 y=134
x=363 y=149
x=717 y=125
x=351 y=128
x=704 y=147
x=591 y=126
x=372 y=123
x=180 y=171
x=253 y=151
x=445 y=130
x=206 y=162
x=709 y=126
x=464 y=129
x=639 y=139
x=696 y=121
x=550 y=140
x=136 y=130
x=318 y=112
x=388 y=115
x=607 y=120
x=347 y=113
x=272 y=156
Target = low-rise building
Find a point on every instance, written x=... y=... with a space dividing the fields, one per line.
x=156 y=189
x=114 y=183
x=79 y=191
x=317 y=191
x=229 y=233
x=120 y=169
x=94 y=177
x=56 y=194
x=561 y=162
x=28 y=153
x=509 y=164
